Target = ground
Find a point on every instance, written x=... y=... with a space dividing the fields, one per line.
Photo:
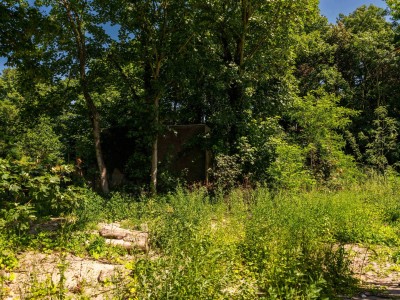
x=48 y=275
x=376 y=270
x=42 y=274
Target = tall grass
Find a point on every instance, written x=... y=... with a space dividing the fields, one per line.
x=251 y=244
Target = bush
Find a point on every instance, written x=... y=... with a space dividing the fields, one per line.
x=249 y=244
x=243 y=245
x=288 y=171
x=26 y=185
x=227 y=171
x=382 y=139
x=91 y=208
x=319 y=126
x=288 y=249
x=41 y=144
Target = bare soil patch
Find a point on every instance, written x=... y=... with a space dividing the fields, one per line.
x=41 y=275
x=47 y=276
x=379 y=275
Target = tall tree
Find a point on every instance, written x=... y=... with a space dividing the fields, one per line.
x=251 y=43
x=150 y=38
x=357 y=60
x=76 y=13
x=394 y=6
x=77 y=39
x=366 y=57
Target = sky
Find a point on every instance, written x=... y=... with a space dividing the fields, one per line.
x=332 y=8
x=329 y=8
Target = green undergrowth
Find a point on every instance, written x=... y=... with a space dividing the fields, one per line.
x=251 y=243
x=245 y=245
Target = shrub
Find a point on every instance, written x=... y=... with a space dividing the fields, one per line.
x=288 y=171
x=41 y=144
x=249 y=244
x=382 y=140
x=47 y=192
x=319 y=122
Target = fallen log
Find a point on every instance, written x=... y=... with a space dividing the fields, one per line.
x=113 y=232
x=120 y=243
x=128 y=239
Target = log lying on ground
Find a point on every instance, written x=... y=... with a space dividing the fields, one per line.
x=111 y=231
x=120 y=243
x=128 y=239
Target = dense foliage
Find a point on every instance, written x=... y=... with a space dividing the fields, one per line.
x=297 y=109
x=282 y=91
x=245 y=245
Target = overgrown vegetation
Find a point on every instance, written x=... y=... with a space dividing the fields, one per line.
x=247 y=244
x=303 y=118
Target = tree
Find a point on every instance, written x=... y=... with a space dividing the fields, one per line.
x=66 y=39
x=367 y=60
x=383 y=139
x=251 y=41
x=151 y=38
x=76 y=13
x=315 y=60
x=319 y=122
x=9 y=111
x=16 y=30
x=394 y=8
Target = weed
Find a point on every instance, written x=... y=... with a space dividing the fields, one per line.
x=241 y=245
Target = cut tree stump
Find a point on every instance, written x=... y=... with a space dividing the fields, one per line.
x=128 y=239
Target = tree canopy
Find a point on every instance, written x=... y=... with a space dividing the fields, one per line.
x=287 y=96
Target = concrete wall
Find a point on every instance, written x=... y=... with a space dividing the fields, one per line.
x=182 y=150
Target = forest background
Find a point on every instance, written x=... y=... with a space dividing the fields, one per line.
x=290 y=99
x=294 y=104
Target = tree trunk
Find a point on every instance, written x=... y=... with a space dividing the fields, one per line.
x=154 y=151
x=128 y=239
x=95 y=119
x=154 y=166
x=235 y=90
x=76 y=25
x=151 y=77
